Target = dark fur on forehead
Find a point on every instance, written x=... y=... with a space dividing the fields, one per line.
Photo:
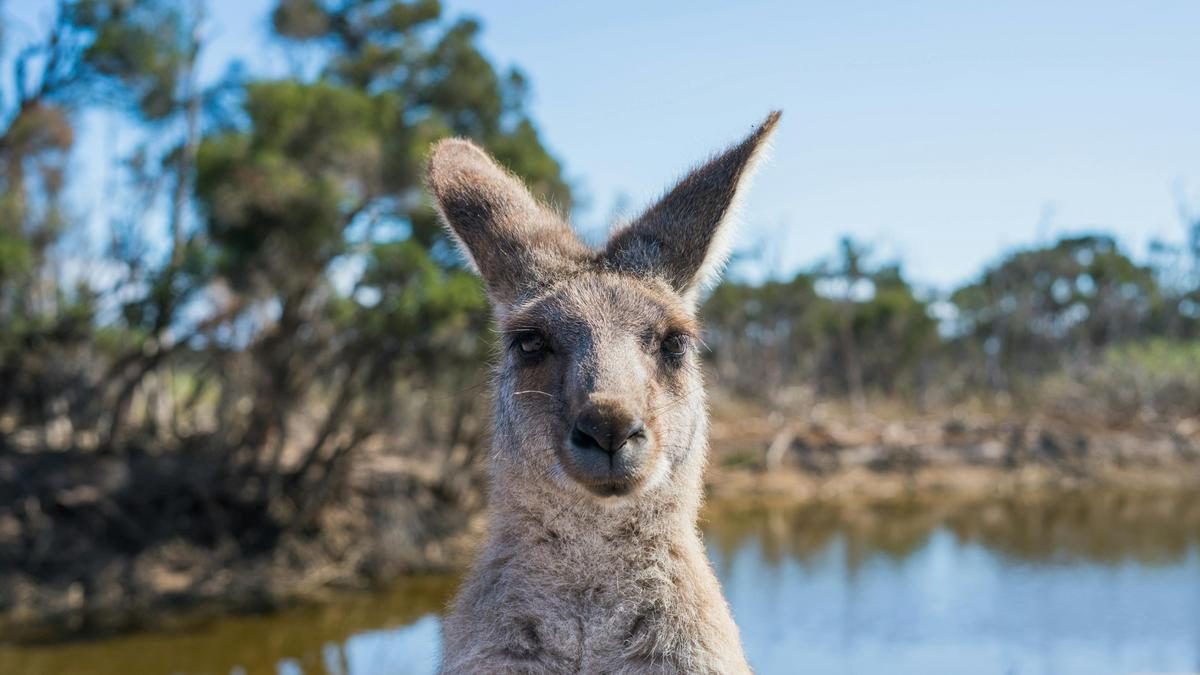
x=566 y=306
x=515 y=243
x=683 y=238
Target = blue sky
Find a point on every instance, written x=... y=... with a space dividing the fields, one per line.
x=945 y=131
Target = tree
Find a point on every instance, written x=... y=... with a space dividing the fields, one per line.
x=843 y=328
x=36 y=136
x=319 y=176
x=1177 y=267
x=848 y=278
x=1039 y=307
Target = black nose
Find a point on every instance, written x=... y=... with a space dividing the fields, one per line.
x=597 y=428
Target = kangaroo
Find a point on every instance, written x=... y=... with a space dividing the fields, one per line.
x=593 y=562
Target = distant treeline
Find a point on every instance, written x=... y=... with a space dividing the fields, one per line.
x=851 y=328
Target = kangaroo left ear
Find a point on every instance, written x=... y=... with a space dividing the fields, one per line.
x=514 y=242
x=686 y=237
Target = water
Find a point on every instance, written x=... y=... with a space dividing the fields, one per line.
x=1098 y=584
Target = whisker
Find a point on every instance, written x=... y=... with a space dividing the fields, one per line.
x=676 y=400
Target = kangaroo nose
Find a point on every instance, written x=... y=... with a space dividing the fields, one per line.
x=607 y=430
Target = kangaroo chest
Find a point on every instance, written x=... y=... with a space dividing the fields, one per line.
x=607 y=619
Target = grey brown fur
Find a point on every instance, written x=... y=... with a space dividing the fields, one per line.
x=593 y=562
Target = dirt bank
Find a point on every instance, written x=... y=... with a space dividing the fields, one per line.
x=830 y=453
x=92 y=544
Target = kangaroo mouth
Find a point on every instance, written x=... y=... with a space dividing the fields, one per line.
x=611 y=488
x=603 y=475
x=605 y=483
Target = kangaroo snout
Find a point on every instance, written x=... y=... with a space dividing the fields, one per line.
x=607 y=429
x=607 y=448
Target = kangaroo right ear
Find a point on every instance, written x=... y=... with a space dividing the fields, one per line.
x=515 y=243
x=685 y=237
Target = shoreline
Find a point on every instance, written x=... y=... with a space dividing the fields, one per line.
x=844 y=499
x=860 y=485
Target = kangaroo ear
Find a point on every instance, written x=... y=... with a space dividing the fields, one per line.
x=512 y=241
x=686 y=236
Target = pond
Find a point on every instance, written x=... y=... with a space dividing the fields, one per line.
x=1071 y=584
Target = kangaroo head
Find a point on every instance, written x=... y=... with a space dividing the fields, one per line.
x=599 y=385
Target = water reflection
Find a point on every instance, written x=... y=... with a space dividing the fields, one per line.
x=388 y=632
x=1105 y=527
x=1106 y=583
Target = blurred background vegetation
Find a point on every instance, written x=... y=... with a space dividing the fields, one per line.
x=277 y=311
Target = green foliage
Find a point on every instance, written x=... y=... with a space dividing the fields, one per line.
x=894 y=333
x=849 y=327
x=446 y=83
x=1041 y=305
x=843 y=327
x=1157 y=358
x=425 y=312
x=16 y=259
x=1140 y=382
x=140 y=45
x=306 y=180
x=312 y=159
x=33 y=157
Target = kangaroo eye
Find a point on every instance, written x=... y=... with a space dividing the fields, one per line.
x=531 y=344
x=675 y=346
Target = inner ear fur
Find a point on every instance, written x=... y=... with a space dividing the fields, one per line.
x=514 y=242
x=686 y=236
